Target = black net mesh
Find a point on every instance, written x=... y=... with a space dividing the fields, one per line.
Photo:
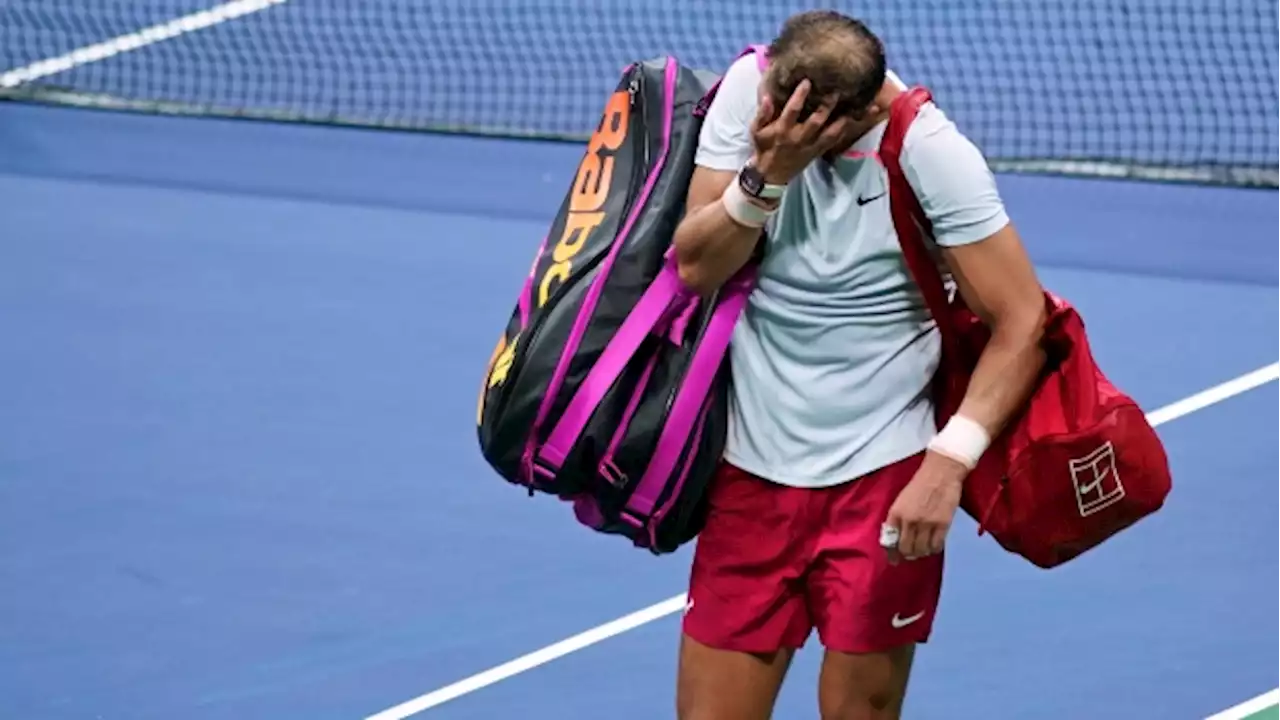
x=1171 y=89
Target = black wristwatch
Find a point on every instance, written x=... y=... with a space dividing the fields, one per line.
x=753 y=184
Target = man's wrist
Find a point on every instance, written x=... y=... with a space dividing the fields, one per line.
x=744 y=210
x=951 y=469
x=754 y=186
x=961 y=440
x=768 y=170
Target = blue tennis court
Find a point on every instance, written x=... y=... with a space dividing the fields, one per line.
x=239 y=475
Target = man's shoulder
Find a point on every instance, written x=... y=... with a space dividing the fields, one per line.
x=932 y=127
x=934 y=141
x=748 y=66
x=742 y=79
x=724 y=142
x=952 y=180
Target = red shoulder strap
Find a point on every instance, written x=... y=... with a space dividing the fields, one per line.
x=909 y=219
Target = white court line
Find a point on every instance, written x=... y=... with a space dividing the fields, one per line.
x=1215 y=394
x=1249 y=707
x=132 y=41
x=674 y=604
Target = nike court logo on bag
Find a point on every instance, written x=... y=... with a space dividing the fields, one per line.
x=1086 y=489
x=900 y=622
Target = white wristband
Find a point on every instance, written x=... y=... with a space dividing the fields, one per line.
x=741 y=210
x=962 y=440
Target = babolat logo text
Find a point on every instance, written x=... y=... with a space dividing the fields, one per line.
x=590 y=189
x=587 y=198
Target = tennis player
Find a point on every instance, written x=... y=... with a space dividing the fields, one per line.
x=832 y=437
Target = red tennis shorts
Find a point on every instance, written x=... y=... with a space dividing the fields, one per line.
x=774 y=562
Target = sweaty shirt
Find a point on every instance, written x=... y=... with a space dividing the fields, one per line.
x=832 y=358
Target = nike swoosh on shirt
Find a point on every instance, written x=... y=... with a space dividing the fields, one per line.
x=865 y=200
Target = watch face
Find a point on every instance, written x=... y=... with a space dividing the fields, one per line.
x=751 y=180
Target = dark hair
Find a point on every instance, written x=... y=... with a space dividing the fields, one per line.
x=838 y=55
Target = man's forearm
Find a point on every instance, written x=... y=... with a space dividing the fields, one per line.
x=1005 y=375
x=711 y=247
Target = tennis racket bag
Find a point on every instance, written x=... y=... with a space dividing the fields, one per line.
x=1080 y=462
x=607 y=388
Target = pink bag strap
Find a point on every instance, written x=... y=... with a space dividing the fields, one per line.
x=762 y=61
x=762 y=56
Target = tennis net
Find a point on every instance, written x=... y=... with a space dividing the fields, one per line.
x=1163 y=89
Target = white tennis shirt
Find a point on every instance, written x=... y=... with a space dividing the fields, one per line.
x=832 y=358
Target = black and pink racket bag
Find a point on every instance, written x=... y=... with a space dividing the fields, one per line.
x=608 y=387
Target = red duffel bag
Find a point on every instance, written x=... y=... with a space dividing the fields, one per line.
x=1080 y=462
